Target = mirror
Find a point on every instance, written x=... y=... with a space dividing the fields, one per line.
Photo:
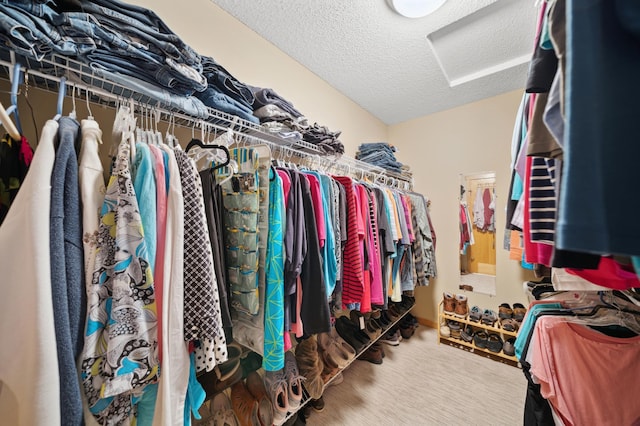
x=478 y=232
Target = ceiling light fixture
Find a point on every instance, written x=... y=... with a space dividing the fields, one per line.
x=415 y=8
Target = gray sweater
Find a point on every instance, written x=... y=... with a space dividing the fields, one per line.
x=67 y=270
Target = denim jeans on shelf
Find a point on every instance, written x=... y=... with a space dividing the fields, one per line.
x=364 y=150
x=376 y=145
x=113 y=46
x=153 y=73
x=144 y=20
x=168 y=43
x=151 y=33
x=217 y=100
x=224 y=82
x=188 y=104
x=32 y=36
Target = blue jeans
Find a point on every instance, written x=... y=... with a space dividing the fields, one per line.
x=146 y=21
x=188 y=104
x=217 y=100
x=153 y=73
x=113 y=47
x=153 y=33
x=219 y=77
x=32 y=36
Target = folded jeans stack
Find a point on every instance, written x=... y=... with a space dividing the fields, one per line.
x=125 y=44
x=379 y=154
x=226 y=93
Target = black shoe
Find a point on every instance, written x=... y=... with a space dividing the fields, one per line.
x=351 y=333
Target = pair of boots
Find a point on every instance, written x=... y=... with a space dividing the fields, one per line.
x=455 y=304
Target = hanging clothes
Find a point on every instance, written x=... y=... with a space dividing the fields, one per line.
x=67 y=273
x=15 y=158
x=214 y=212
x=26 y=300
x=352 y=277
x=121 y=309
x=202 y=319
x=174 y=380
x=273 y=358
x=314 y=311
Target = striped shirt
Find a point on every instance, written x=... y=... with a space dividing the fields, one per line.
x=542 y=200
x=352 y=274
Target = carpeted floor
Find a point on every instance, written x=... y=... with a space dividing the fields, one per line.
x=423 y=383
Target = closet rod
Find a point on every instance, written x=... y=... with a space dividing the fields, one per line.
x=106 y=93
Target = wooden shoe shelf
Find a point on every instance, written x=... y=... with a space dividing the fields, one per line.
x=471 y=346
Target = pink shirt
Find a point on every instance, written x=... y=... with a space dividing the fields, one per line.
x=588 y=377
x=316 y=198
x=286 y=185
x=161 y=227
x=609 y=274
x=377 y=295
x=407 y=216
x=363 y=215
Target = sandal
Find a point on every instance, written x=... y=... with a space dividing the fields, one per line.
x=494 y=343
x=519 y=311
x=480 y=339
x=510 y=325
x=505 y=311
x=509 y=346
x=467 y=334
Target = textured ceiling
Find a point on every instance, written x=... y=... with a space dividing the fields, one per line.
x=399 y=68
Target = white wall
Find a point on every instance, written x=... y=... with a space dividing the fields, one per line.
x=472 y=138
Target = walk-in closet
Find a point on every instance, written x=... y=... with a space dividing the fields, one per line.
x=402 y=212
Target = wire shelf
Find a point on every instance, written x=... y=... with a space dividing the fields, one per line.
x=47 y=74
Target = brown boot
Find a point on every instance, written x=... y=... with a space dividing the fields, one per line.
x=449 y=304
x=462 y=309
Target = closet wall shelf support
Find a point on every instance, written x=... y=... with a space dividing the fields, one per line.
x=46 y=74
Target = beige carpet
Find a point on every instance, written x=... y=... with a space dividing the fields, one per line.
x=423 y=383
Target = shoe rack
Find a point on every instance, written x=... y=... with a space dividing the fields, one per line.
x=444 y=317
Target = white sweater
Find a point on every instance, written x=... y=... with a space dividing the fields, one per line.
x=30 y=393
